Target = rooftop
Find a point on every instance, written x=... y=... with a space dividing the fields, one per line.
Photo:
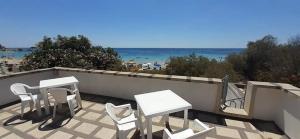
x=92 y=122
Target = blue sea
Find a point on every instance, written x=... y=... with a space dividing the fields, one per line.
x=145 y=55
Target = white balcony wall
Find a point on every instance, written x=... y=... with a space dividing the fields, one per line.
x=202 y=96
x=277 y=103
x=30 y=78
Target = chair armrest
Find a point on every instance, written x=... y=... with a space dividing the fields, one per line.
x=125 y=106
x=33 y=87
x=167 y=134
x=72 y=91
x=198 y=124
x=28 y=94
x=127 y=121
x=202 y=132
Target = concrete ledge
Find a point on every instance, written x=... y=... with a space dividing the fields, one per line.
x=24 y=73
x=147 y=75
x=287 y=88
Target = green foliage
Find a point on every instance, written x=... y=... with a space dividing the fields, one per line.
x=74 y=52
x=266 y=60
x=193 y=65
x=263 y=60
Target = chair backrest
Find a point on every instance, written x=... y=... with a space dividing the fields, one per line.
x=109 y=110
x=19 y=88
x=189 y=135
x=59 y=94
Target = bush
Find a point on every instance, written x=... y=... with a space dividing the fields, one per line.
x=193 y=65
x=266 y=60
x=73 y=52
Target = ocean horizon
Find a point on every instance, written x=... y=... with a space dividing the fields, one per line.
x=151 y=55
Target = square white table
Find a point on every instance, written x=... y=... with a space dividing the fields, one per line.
x=160 y=103
x=58 y=82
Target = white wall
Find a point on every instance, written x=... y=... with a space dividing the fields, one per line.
x=266 y=102
x=6 y=96
x=287 y=116
x=276 y=104
x=202 y=96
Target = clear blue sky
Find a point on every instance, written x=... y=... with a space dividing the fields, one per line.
x=149 y=23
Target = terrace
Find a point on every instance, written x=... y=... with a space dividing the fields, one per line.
x=271 y=110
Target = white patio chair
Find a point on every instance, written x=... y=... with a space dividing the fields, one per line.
x=19 y=89
x=61 y=96
x=188 y=133
x=76 y=92
x=124 y=124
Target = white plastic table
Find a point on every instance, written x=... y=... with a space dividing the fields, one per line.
x=58 y=82
x=160 y=103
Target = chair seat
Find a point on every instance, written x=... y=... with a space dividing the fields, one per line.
x=128 y=118
x=183 y=134
x=70 y=97
x=127 y=126
x=28 y=98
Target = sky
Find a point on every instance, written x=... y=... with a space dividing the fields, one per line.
x=149 y=23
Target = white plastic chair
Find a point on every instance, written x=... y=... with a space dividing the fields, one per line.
x=60 y=96
x=124 y=124
x=188 y=133
x=19 y=89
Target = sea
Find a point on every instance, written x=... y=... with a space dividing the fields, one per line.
x=151 y=55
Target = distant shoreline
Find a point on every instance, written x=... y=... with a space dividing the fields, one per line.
x=145 y=55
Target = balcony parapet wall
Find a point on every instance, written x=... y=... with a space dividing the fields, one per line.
x=146 y=75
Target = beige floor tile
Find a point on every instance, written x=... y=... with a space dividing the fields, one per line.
x=71 y=123
x=12 y=136
x=39 y=133
x=235 y=123
x=60 y=135
x=18 y=108
x=86 y=104
x=268 y=135
x=253 y=135
x=105 y=133
x=227 y=132
x=78 y=114
x=175 y=122
x=106 y=120
x=86 y=128
x=97 y=107
x=12 y=106
x=26 y=126
x=3 y=131
x=158 y=119
x=5 y=115
x=91 y=116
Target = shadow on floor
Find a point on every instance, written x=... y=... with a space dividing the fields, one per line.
x=208 y=117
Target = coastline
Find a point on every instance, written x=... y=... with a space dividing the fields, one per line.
x=141 y=55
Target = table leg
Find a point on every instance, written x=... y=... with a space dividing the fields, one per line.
x=141 y=127
x=78 y=98
x=45 y=98
x=166 y=119
x=149 y=127
x=186 y=121
x=38 y=106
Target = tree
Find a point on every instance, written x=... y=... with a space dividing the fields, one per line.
x=74 y=52
x=266 y=60
x=2 y=47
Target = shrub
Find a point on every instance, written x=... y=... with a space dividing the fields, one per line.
x=74 y=52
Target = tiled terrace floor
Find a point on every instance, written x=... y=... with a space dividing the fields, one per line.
x=92 y=122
